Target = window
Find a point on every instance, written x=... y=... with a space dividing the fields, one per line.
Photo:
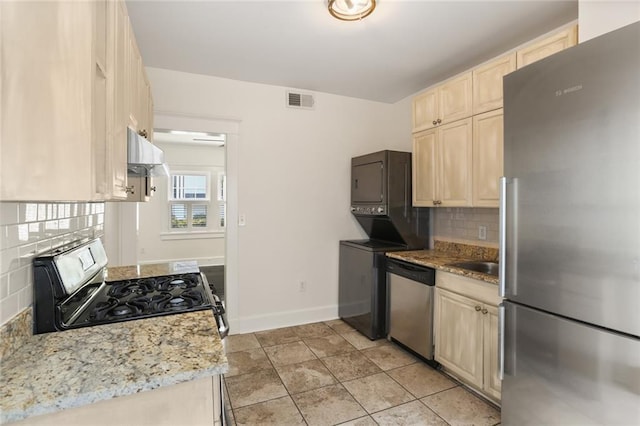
x=222 y=199
x=189 y=201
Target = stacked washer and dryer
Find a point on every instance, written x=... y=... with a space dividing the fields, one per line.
x=381 y=202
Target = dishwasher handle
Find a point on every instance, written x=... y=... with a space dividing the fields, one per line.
x=421 y=274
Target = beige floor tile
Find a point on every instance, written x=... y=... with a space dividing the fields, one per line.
x=276 y=412
x=460 y=407
x=339 y=326
x=362 y=421
x=278 y=336
x=360 y=341
x=350 y=366
x=248 y=389
x=305 y=376
x=412 y=413
x=317 y=329
x=240 y=342
x=329 y=345
x=247 y=361
x=290 y=353
x=389 y=356
x=328 y=406
x=377 y=392
x=227 y=405
x=421 y=380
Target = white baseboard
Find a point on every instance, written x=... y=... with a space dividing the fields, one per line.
x=240 y=325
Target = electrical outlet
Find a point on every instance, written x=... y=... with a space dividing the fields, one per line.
x=242 y=220
x=482 y=232
x=303 y=286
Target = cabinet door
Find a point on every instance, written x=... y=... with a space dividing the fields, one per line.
x=454 y=168
x=454 y=99
x=487 y=158
x=46 y=99
x=101 y=100
x=492 y=382
x=424 y=168
x=425 y=110
x=548 y=46
x=118 y=145
x=459 y=329
x=487 y=83
x=133 y=81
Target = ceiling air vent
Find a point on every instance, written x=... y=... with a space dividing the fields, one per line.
x=299 y=100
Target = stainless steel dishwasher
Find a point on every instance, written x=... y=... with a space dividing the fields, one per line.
x=411 y=289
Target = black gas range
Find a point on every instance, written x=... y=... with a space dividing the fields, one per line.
x=71 y=290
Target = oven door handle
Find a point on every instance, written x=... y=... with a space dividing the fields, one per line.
x=218 y=313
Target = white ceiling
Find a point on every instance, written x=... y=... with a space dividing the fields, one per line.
x=403 y=47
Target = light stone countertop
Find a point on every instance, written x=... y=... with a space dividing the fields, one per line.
x=54 y=371
x=445 y=253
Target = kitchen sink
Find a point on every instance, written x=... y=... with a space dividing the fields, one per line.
x=489 y=268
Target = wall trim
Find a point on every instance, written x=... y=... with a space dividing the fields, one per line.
x=250 y=324
x=210 y=235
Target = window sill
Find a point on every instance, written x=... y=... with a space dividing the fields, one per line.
x=195 y=235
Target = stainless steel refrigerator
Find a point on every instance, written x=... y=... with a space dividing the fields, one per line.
x=570 y=236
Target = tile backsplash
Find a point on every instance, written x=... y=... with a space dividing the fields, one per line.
x=461 y=225
x=28 y=229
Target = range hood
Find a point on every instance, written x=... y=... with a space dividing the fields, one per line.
x=143 y=157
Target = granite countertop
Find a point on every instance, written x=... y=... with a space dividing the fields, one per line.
x=445 y=253
x=54 y=371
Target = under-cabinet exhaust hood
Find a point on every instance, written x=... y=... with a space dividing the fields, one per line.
x=143 y=157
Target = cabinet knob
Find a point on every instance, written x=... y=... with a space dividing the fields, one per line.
x=129 y=189
x=478 y=307
x=439 y=121
x=143 y=133
x=153 y=188
x=484 y=311
x=435 y=122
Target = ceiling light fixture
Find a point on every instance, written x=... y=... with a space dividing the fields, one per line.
x=351 y=10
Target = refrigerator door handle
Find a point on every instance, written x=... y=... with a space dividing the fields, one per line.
x=501 y=314
x=502 y=222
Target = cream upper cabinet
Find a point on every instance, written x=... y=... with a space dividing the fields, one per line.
x=454 y=171
x=425 y=110
x=487 y=83
x=64 y=136
x=448 y=102
x=487 y=158
x=424 y=168
x=442 y=165
x=118 y=44
x=547 y=46
x=455 y=99
x=466 y=331
x=49 y=143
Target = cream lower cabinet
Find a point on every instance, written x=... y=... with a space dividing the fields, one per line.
x=188 y=403
x=442 y=165
x=466 y=331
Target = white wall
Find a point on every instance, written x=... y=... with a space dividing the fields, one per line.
x=293 y=171
x=153 y=246
x=599 y=17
